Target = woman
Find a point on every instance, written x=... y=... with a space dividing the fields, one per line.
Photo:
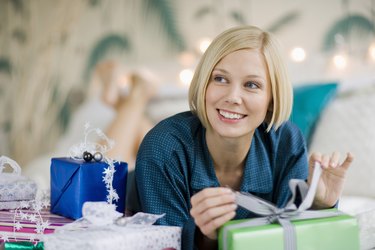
x=236 y=137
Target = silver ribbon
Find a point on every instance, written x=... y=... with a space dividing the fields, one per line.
x=13 y=164
x=272 y=214
x=98 y=214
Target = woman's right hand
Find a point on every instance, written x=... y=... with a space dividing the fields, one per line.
x=211 y=208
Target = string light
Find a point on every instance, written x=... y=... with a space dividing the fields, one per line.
x=371 y=51
x=203 y=44
x=185 y=76
x=298 y=54
x=340 y=61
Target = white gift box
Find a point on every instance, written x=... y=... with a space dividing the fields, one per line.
x=102 y=227
x=116 y=238
x=13 y=186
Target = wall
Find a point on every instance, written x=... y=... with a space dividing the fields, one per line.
x=48 y=45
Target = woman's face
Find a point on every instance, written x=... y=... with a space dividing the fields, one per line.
x=238 y=94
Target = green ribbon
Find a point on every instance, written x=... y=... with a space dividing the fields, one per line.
x=23 y=245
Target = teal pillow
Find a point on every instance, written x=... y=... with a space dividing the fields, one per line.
x=309 y=102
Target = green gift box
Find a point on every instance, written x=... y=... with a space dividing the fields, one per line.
x=330 y=233
x=23 y=245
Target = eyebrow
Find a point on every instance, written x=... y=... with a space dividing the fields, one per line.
x=226 y=72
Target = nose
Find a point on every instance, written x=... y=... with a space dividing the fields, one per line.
x=234 y=94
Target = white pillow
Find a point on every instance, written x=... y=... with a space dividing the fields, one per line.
x=162 y=108
x=356 y=205
x=348 y=124
x=366 y=223
x=363 y=209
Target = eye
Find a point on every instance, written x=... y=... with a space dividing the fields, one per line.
x=252 y=85
x=219 y=78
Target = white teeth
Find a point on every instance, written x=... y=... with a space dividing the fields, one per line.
x=230 y=115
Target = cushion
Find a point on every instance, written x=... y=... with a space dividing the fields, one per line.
x=309 y=102
x=363 y=208
x=347 y=125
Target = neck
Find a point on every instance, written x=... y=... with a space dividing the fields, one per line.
x=228 y=154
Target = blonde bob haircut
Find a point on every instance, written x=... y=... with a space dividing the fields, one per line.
x=238 y=38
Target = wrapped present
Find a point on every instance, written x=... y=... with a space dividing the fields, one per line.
x=103 y=228
x=87 y=175
x=22 y=245
x=14 y=187
x=116 y=237
x=75 y=181
x=291 y=227
x=338 y=232
x=29 y=225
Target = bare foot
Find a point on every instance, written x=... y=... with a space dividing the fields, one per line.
x=121 y=86
x=143 y=85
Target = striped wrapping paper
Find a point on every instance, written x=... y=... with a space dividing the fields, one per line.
x=28 y=230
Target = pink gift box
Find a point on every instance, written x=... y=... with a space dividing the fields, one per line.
x=28 y=230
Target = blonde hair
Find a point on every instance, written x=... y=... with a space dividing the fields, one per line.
x=238 y=38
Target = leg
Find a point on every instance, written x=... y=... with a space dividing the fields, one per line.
x=129 y=126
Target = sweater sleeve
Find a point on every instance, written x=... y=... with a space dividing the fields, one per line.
x=162 y=184
x=292 y=161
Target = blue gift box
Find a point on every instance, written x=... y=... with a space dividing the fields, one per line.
x=73 y=182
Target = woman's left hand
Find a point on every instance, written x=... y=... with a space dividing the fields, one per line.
x=332 y=180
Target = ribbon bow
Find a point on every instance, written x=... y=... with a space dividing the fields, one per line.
x=98 y=214
x=271 y=214
x=77 y=151
x=16 y=169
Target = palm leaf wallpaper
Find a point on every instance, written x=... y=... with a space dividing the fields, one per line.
x=349 y=27
x=107 y=46
x=164 y=12
x=49 y=51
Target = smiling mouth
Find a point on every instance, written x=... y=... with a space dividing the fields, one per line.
x=229 y=115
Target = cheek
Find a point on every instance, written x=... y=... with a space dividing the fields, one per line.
x=211 y=95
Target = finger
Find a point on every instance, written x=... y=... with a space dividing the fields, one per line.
x=213 y=201
x=213 y=225
x=213 y=213
x=209 y=192
x=348 y=160
x=325 y=161
x=315 y=157
x=334 y=161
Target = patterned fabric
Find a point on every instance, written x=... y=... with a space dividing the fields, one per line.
x=116 y=237
x=4 y=205
x=16 y=188
x=174 y=163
